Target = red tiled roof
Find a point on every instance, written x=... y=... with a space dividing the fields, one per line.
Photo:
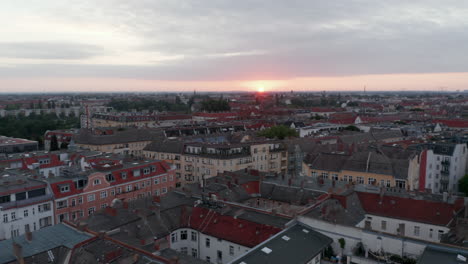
x=252 y=187
x=431 y=212
x=216 y=115
x=226 y=227
x=458 y=123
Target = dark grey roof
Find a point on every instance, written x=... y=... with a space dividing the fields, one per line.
x=297 y=244
x=333 y=211
x=328 y=161
x=445 y=255
x=166 y=146
x=125 y=136
x=43 y=240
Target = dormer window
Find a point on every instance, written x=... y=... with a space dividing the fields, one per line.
x=64 y=188
x=153 y=168
x=123 y=175
x=136 y=173
x=96 y=182
x=146 y=171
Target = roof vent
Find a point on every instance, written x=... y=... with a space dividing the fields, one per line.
x=305 y=231
x=461 y=258
x=285 y=238
x=267 y=250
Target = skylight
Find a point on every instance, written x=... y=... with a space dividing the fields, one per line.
x=305 y=231
x=266 y=250
x=286 y=238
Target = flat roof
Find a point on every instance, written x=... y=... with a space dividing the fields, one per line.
x=296 y=244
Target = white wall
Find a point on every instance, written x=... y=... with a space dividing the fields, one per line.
x=200 y=245
x=32 y=219
x=371 y=240
x=393 y=224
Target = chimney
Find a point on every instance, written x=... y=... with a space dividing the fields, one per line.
x=28 y=233
x=445 y=197
x=18 y=252
x=381 y=195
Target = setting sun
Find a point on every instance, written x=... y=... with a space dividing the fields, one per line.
x=261 y=89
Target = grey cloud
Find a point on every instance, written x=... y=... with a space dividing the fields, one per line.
x=48 y=50
x=296 y=38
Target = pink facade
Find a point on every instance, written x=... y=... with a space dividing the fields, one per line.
x=102 y=188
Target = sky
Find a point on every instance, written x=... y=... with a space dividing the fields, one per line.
x=225 y=45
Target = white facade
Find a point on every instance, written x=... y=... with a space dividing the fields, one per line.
x=17 y=216
x=209 y=248
x=444 y=171
x=412 y=229
x=371 y=240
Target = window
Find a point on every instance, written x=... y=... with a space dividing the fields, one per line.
x=43 y=208
x=384 y=225
x=80 y=200
x=91 y=197
x=25 y=213
x=13 y=216
x=171 y=177
x=183 y=250
x=183 y=235
x=164 y=179
x=5 y=218
x=431 y=233
x=156 y=192
x=164 y=190
x=345 y=178
x=15 y=232
x=91 y=210
x=360 y=180
x=371 y=181
x=220 y=255
x=416 y=230
x=439 y=235
x=231 y=250
x=96 y=182
x=136 y=173
x=388 y=183
x=61 y=204
x=112 y=192
x=64 y=188
x=173 y=237
x=123 y=175
x=73 y=202
x=350 y=178
x=156 y=181
x=103 y=194
x=207 y=242
x=104 y=205
x=128 y=188
x=194 y=236
x=334 y=176
x=194 y=253
x=208 y=259
x=110 y=177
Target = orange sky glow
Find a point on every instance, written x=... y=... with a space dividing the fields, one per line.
x=387 y=82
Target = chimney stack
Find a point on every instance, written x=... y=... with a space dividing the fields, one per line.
x=18 y=252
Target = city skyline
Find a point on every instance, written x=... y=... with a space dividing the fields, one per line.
x=271 y=45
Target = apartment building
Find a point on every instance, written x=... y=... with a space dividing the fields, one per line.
x=198 y=159
x=63 y=138
x=442 y=166
x=378 y=168
x=105 y=181
x=26 y=204
x=15 y=145
x=139 y=120
x=126 y=141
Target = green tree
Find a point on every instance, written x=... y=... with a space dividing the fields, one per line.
x=279 y=132
x=352 y=128
x=463 y=185
x=211 y=105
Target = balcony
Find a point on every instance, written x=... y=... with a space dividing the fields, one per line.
x=444 y=179
x=445 y=172
x=445 y=162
